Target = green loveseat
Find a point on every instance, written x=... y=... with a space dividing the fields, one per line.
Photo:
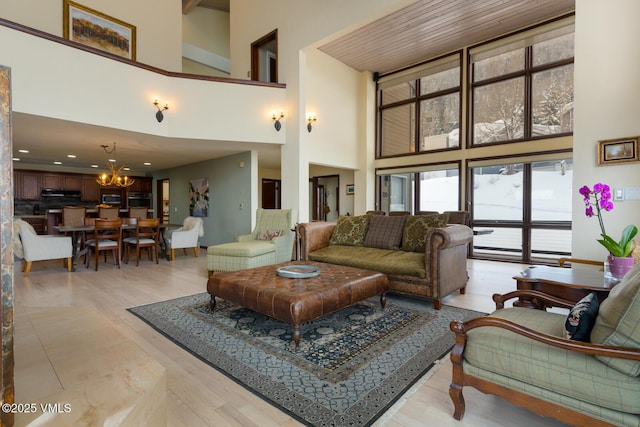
x=522 y=355
x=424 y=257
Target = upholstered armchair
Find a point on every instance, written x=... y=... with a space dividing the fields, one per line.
x=271 y=242
x=32 y=247
x=582 y=368
x=186 y=236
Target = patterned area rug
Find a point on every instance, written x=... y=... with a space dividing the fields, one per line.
x=350 y=367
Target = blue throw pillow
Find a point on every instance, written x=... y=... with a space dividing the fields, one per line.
x=581 y=319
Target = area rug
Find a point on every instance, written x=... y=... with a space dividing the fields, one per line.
x=350 y=367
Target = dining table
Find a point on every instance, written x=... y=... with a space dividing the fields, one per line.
x=75 y=231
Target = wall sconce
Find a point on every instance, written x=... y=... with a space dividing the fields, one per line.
x=310 y=119
x=276 y=120
x=159 y=114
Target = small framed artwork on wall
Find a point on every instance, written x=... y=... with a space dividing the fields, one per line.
x=350 y=189
x=616 y=151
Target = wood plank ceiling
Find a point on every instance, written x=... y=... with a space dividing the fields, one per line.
x=429 y=28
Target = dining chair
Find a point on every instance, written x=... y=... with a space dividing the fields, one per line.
x=138 y=212
x=73 y=215
x=109 y=213
x=107 y=236
x=147 y=237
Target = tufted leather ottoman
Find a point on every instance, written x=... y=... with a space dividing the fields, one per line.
x=297 y=301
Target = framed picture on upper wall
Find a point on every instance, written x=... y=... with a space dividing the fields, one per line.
x=616 y=151
x=95 y=29
x=350 y=189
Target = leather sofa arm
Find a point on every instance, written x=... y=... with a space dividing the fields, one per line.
x=447 y=237
x=313 y=236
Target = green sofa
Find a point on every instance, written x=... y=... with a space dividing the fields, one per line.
x=522 y=355
x=421 y=255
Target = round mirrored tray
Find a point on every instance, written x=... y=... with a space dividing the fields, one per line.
x=300 y=271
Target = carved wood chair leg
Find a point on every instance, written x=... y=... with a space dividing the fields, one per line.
x=437 y=304
x=455 y=392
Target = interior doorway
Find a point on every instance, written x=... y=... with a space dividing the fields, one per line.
x=325 y=198
x=264 y=58
x=162 y=205
x=271 y=196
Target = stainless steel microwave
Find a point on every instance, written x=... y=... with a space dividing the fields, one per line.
x=111 y=199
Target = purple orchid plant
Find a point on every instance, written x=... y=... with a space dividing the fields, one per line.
x=600 y=199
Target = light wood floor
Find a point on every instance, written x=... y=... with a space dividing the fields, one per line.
x=197 y=395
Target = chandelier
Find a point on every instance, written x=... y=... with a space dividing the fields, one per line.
x=116 y=179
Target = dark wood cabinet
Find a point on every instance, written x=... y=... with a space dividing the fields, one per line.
x=52 y=181
x=38 y=223
x=30 y=185
x=90 y=189
x=72 y=182
x=141 y=184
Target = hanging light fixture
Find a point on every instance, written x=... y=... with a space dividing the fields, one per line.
x=115 y=180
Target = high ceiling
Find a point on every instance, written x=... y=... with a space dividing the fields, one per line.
x=424 y=29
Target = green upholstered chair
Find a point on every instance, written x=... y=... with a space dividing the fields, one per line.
x=271 y=242
x=522 y=355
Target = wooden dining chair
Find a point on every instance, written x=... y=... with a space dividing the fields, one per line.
x=147 y=237
x=109 y=213
x=73 y=215
x=107 y=236
x=138 y=213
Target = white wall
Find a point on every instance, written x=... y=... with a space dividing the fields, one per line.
x=61 y=82
x=208 y=30
x=607 y=106
x=158 y=24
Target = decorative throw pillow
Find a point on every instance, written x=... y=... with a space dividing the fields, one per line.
x=269 y=234
x=385 y=232
x=350 y=230
x=581 y=319
x=618 y=320
x=417 y=226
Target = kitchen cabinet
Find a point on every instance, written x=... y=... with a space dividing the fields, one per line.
x=72 y=182
x=28 y=185
x=141 y=184
x=52 y=181
x=90 y=189
x=38 y=222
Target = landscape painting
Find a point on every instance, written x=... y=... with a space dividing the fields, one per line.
x=97 y=30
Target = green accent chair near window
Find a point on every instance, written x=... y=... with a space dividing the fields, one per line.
x=270 y=242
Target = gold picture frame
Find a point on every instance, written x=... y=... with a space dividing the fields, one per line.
x=616 y=151
x=91 y=28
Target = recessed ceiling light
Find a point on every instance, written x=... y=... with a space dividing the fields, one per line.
x=57 y=163
x=94 y=166
x=71 y=156
x=147 y=163
x=112 y=160
x=16 y=159
x=23 y=151
x=126 y=168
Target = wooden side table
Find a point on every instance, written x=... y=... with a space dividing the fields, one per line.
x=567 y=283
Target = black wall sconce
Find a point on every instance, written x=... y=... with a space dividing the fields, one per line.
x=276 y=120
x=159 y=114
x=310 y=119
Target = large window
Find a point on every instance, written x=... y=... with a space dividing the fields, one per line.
x=420 y=108
x=522 y=87
x=521 y=209
x=434 y=188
